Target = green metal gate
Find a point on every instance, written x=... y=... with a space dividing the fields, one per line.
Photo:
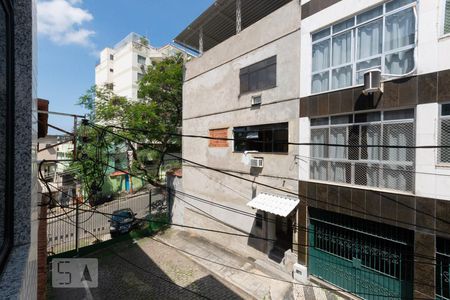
x=365 y=258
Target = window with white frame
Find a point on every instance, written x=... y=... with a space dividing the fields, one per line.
x=382 y=38
x=377 y=149
x=446 y=17
x=444 y=134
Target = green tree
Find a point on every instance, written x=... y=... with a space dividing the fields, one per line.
x=150 y=119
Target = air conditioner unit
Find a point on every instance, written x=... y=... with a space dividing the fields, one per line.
x=372 y=81
x=256 y=162
x=256 y=100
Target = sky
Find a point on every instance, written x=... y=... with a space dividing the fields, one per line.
x=71 y=34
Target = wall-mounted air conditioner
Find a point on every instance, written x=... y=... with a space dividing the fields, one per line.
x=372 y=81
x=256 y=100
x=256 y=162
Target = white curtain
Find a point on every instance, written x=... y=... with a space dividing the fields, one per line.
x=338 y=135
x=342 y=77
x=342 y=48
x=320 y=82
x=319 y=167
x=400 y=30
x=370 y=37
x=400 y=63
x=321 y=56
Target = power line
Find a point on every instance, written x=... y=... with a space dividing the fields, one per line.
x=282 y=190
x=284 y=143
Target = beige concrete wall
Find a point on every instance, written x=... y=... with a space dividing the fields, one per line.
x=211 y=100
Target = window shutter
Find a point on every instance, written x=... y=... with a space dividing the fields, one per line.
x=447 y=17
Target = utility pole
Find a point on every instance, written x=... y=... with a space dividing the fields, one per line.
x=77 y=209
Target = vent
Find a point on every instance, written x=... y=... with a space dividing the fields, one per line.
x=372 y=81
x=256 y=162
x=256 y=100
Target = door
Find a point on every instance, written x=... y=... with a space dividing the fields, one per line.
x=370 y=266
x=283 y=227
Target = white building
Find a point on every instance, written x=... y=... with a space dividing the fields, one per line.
x=122 y=66
x=377 y=217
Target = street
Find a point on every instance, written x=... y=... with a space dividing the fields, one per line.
x=93 y=225
x=149 y=269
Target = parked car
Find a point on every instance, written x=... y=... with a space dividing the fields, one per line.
x=122 y=221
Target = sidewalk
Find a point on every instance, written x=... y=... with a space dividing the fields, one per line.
x=242 y=272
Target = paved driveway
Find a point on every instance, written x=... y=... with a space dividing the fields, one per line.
x=149 y=270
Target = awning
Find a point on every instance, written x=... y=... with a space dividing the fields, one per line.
x=277 y=205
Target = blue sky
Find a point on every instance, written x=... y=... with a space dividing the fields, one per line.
x=72 y=32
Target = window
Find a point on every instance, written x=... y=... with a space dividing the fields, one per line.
x=259 y=76
x=262 y=138
x=444 y=133
x=141 y=60
x=446 y=17
x=365 y=163
x=221 y=135
x=6 y=131
x=140 y=76
x=383 y=38
x=111 y=57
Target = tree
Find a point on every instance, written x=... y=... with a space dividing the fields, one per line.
x=150 y=119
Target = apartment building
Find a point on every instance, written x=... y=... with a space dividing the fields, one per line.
x=18 y=138
x=378 y=218
x=244 y=86
x=122 y=66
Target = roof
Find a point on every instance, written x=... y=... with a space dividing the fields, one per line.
x=118 y=173
x=219 y=21
x=274 y=204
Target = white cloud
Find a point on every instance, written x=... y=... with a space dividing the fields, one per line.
x=64 y=23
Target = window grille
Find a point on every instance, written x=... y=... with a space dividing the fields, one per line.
x=444 y=134
x=447 y=17
x=361 y=162
x=442 y=269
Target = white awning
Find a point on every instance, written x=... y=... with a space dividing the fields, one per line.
x=277 y=205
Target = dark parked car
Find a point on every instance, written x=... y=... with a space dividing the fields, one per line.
x=122 y=221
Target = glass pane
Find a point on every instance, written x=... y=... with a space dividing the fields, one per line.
x=342 y=48
x=321 y=34
x=366 y=65
x=390 y=6
x=399 y=114
x=400 y=30
x=338 y=136
x=368 y=15
x=3 y=101
x=368 y=117
x=319 y=136
x=319 y=121
x=447 y=17
x=444 y=153
x=344 y=25
x=320 y=82
x=347 y=119
x=370 y=39
x=321 y=56
x=398 y=135
x=342 y=77
x=371 y=135
x=445 y=111
x=399 y=63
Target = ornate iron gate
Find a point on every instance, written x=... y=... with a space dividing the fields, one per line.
x=442 y=269
x=368 y=259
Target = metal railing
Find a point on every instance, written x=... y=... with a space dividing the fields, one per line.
x=93 y=222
